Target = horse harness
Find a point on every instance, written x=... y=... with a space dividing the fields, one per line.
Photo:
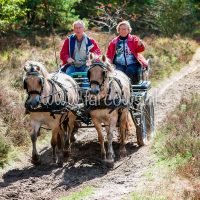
x=104 y=102
x=41 y=82
x=51 y=106
x=103 y=66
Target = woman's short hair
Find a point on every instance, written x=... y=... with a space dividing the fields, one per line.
x=79 y=22
x=124 y=23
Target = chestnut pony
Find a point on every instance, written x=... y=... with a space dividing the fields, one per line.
x=48 y=93
x=109 y=99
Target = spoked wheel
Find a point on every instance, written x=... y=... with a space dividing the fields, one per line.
x=149 y=112
x=141 y=128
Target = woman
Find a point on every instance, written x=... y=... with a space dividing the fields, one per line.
x=123 y=51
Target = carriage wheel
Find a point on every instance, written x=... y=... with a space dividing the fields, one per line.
x=149 y=111
x=141 y=128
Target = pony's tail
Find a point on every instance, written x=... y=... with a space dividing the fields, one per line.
x=126 y=125
x=129 y=125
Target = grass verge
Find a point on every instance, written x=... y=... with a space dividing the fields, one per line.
x=177 y=144
x=85 y=192
x=136 y=196
x=179 y=139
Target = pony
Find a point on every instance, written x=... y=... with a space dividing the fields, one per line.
x=109 y=98
x=50 y=97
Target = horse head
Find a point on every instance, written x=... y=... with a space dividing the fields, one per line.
x=97 y=73
x=34 y=79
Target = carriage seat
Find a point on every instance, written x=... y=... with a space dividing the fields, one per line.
x=81 y=78
x=143 y=85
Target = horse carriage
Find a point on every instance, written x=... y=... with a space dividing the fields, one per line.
x=141 y=106
x=101 y=97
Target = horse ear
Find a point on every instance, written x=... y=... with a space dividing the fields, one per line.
x=25 y=68
x=91 y=56
x=38 y=68
x=103 y=58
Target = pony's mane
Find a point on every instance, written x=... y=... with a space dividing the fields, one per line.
x=31 y=66
x=109 y=66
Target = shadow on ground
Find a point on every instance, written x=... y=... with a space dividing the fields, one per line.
x=84 y=164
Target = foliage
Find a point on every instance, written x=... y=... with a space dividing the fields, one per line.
x=108 y=13
x=11 y=11
x=166 y=17
x=51 y=13
x=37 y=14
x=146 y=16
x=174 y=17
x=180 y=135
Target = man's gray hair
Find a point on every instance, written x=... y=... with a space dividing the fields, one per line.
x=79 y=22
x=124 y=23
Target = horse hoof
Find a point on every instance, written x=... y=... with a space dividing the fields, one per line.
x=60 y=164
x=103 y=156
x=36 y=160
x=66 y=154
x=123 y=154
x=54 y=160
x=73 y=138
x=109 y=163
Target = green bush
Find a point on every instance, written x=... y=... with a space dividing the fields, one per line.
x=23 y=17
x=175 y=17
x=10 y=13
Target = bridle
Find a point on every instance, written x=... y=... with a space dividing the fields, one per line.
x=41 y=82
x=102 y=66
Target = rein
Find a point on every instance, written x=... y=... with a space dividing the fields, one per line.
x=107 y=101
x=51 y=105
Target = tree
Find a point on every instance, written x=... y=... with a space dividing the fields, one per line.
x=175 y=17
x=37 y=14
x=11 y=12
x=51 y=13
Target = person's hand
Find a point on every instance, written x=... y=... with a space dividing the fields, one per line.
x=88 y=63
x=140 y=43
x=70 y=60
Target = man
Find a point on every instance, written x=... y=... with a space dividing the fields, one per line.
x=123 y=51
x=76 y=48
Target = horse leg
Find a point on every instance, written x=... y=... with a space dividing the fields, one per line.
x=35 y=156
x=98 y=127
x=123 y=131
x=75 y=130
x=60 y=146
x=110 y=154
x=53 y=145
x=110 y=132
x=69 y=131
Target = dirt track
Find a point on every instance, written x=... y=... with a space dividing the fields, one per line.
x=47 y=181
